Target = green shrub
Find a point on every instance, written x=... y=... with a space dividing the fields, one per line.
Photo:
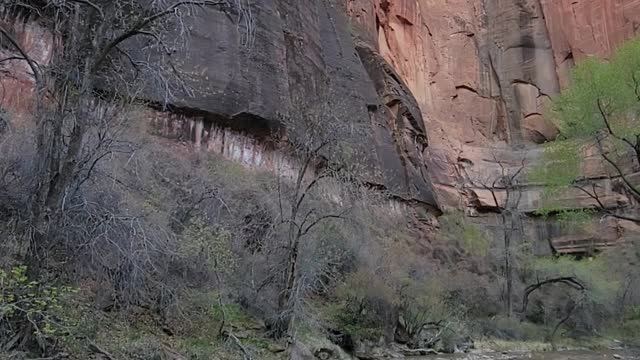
x=601 y=284
x=30 y=312
x=363 y=301
x=210 y=246
x=456 y=228
x=599 y=107
x=505 y=328
x=349 y=320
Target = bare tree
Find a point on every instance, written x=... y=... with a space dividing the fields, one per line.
x=506 y=194
x=81 y=94
x=318 y=139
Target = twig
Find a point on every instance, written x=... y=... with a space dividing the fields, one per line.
x=16 y=45
x=98 y=350
x=237 y=341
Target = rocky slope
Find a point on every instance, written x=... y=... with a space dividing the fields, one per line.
x=450 y=91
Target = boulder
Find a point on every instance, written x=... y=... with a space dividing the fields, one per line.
x=300 y=351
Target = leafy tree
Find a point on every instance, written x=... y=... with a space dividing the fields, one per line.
x=598 y=111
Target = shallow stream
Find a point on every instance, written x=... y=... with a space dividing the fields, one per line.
x=561 y=355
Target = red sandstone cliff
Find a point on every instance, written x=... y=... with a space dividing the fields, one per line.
x=452 y=88
x=483 y=72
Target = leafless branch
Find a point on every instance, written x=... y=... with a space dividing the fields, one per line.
x=139 y=26
x=567 y=280
x=23 y=53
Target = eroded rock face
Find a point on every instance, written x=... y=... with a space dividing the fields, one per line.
x=483 y=73
x=249 y=68
x=304 y=51
x=450 y=91
x=583 y=28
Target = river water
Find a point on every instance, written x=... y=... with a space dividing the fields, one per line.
x=562 y=355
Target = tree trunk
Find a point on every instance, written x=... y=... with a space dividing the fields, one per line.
x=507 y=264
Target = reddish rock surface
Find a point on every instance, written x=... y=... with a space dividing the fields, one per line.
x=16 y=80
x=582 y=28
x=461 y=86
x=483 y=73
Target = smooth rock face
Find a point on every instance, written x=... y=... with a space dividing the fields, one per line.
x=296 y=52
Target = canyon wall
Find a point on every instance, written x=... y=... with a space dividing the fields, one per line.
x=483 y=73
x=451 y=93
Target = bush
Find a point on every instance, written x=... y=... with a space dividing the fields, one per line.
x=455 y=228
x=364 y=303
x=504 y=328
x=208 y=247
x=601 y=284
x=30 y=312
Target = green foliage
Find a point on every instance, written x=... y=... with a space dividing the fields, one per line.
x=601 y=93
x=212 y=247
x=362 y=285
x=365 y=300
x=576 y=216
x=598 y=86
x=601 y=285
x=426 y=302
x=561 y=165
x=510 y=328
x=25 y=303
x=580 y=218
x=236 y=316
x=455 y=227
x=347 y=319
x=630 y=331
x=361 y=300
x=236 y=177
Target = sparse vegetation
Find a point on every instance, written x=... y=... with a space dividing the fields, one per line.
x=137 y=247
